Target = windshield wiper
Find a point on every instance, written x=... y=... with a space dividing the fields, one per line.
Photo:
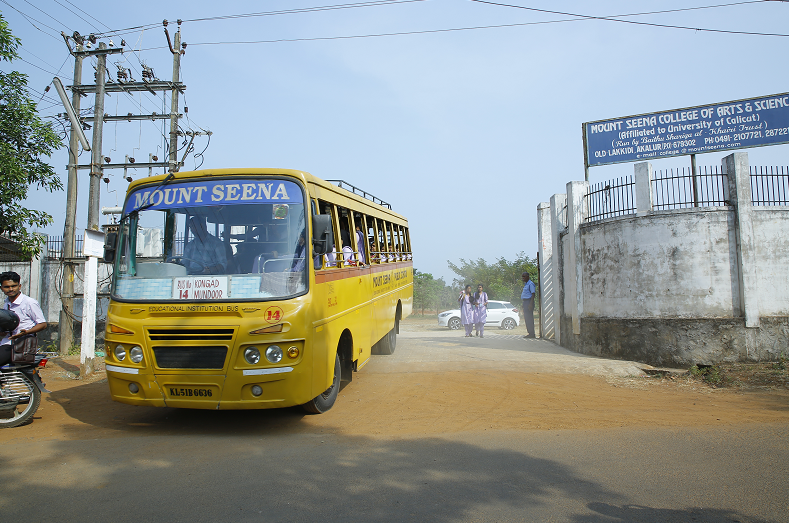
x=150 y=203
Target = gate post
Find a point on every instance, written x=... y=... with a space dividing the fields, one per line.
x=738 y=175
x=547 y=277
x=558 y=225
x=576 y=215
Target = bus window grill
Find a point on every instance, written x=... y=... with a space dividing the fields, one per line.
x=342 y=184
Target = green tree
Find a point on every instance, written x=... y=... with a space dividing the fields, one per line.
x=24 y=140
x=502 y=279
x=429 y=293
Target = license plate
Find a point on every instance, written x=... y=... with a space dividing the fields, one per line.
x=190 y=392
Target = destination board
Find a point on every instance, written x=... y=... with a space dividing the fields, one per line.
x=754 y=122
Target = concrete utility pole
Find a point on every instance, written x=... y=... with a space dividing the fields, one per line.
x=96 y=158
x=176 y=50
x=96 y=167
x=65 y=323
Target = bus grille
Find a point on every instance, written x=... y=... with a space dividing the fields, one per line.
x=184 y=357
x=190 y=334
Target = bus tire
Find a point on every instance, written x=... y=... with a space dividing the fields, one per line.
x=388 y=343
x=323 y=402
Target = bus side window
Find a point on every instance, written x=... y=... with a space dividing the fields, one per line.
x=317 y=261
x=330 y=258
x=372 y=244
x=345 y=245
x=386 y=240
x=359 y=239
x=382 y=252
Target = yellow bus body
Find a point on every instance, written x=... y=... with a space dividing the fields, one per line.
x=345 y=308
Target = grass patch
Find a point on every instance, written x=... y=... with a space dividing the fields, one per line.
x=708 y=373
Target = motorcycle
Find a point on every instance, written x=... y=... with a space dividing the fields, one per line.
x=20 y=383
x=20 y=391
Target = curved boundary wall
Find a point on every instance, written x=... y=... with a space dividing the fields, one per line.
x=688 y=286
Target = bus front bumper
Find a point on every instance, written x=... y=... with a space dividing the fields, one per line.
x=258 y=389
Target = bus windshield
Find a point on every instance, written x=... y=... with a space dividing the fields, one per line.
x=209 y=240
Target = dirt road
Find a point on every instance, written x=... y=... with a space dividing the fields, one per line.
x=436 y=383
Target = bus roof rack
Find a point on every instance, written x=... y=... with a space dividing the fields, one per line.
x=342 y=184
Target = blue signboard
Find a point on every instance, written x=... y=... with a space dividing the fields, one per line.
x=731 y=125
x=207 y=192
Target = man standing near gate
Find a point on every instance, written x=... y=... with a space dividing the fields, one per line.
x=527 y=296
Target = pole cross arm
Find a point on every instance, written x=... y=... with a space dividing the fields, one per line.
x=136 y=165
x=130 y=117
x=116 y=87
x=95 y=52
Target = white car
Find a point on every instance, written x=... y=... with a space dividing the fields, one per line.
x=501 y=314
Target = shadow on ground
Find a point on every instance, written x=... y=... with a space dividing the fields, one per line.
x=310 y=478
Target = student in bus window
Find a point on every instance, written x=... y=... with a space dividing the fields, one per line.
x=347 y=250
x=360 y=242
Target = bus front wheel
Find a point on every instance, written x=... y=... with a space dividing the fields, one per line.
x=323 y=402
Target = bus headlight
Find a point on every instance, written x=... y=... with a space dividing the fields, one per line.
x=274 y=354
x=252 y=355
x=135 y=354
x=120 y=352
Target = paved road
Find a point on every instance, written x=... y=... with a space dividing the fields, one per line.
x=430 y=350
x=281 y=466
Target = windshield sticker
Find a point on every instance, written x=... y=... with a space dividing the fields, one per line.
x=279 y=211
x=215 y=192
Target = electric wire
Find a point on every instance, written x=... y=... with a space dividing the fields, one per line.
x=43 y=12
x=75 y=14
x=374 y=3
x=30 y=20
x=634 y=22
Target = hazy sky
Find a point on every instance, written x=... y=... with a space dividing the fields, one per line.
x=463 y=132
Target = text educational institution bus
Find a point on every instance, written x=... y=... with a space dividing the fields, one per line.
x=251 y=289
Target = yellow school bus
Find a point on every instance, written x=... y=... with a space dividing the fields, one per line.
x=251 y=289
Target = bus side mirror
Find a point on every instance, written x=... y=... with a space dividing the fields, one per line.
x=322 y=236
x=110 y=239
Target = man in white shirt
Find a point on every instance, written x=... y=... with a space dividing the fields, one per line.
x=31 y=318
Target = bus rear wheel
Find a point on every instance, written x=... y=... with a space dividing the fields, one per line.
x=323 y=402
x=388 y=343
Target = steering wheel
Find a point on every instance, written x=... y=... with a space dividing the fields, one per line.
x=187 y=262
